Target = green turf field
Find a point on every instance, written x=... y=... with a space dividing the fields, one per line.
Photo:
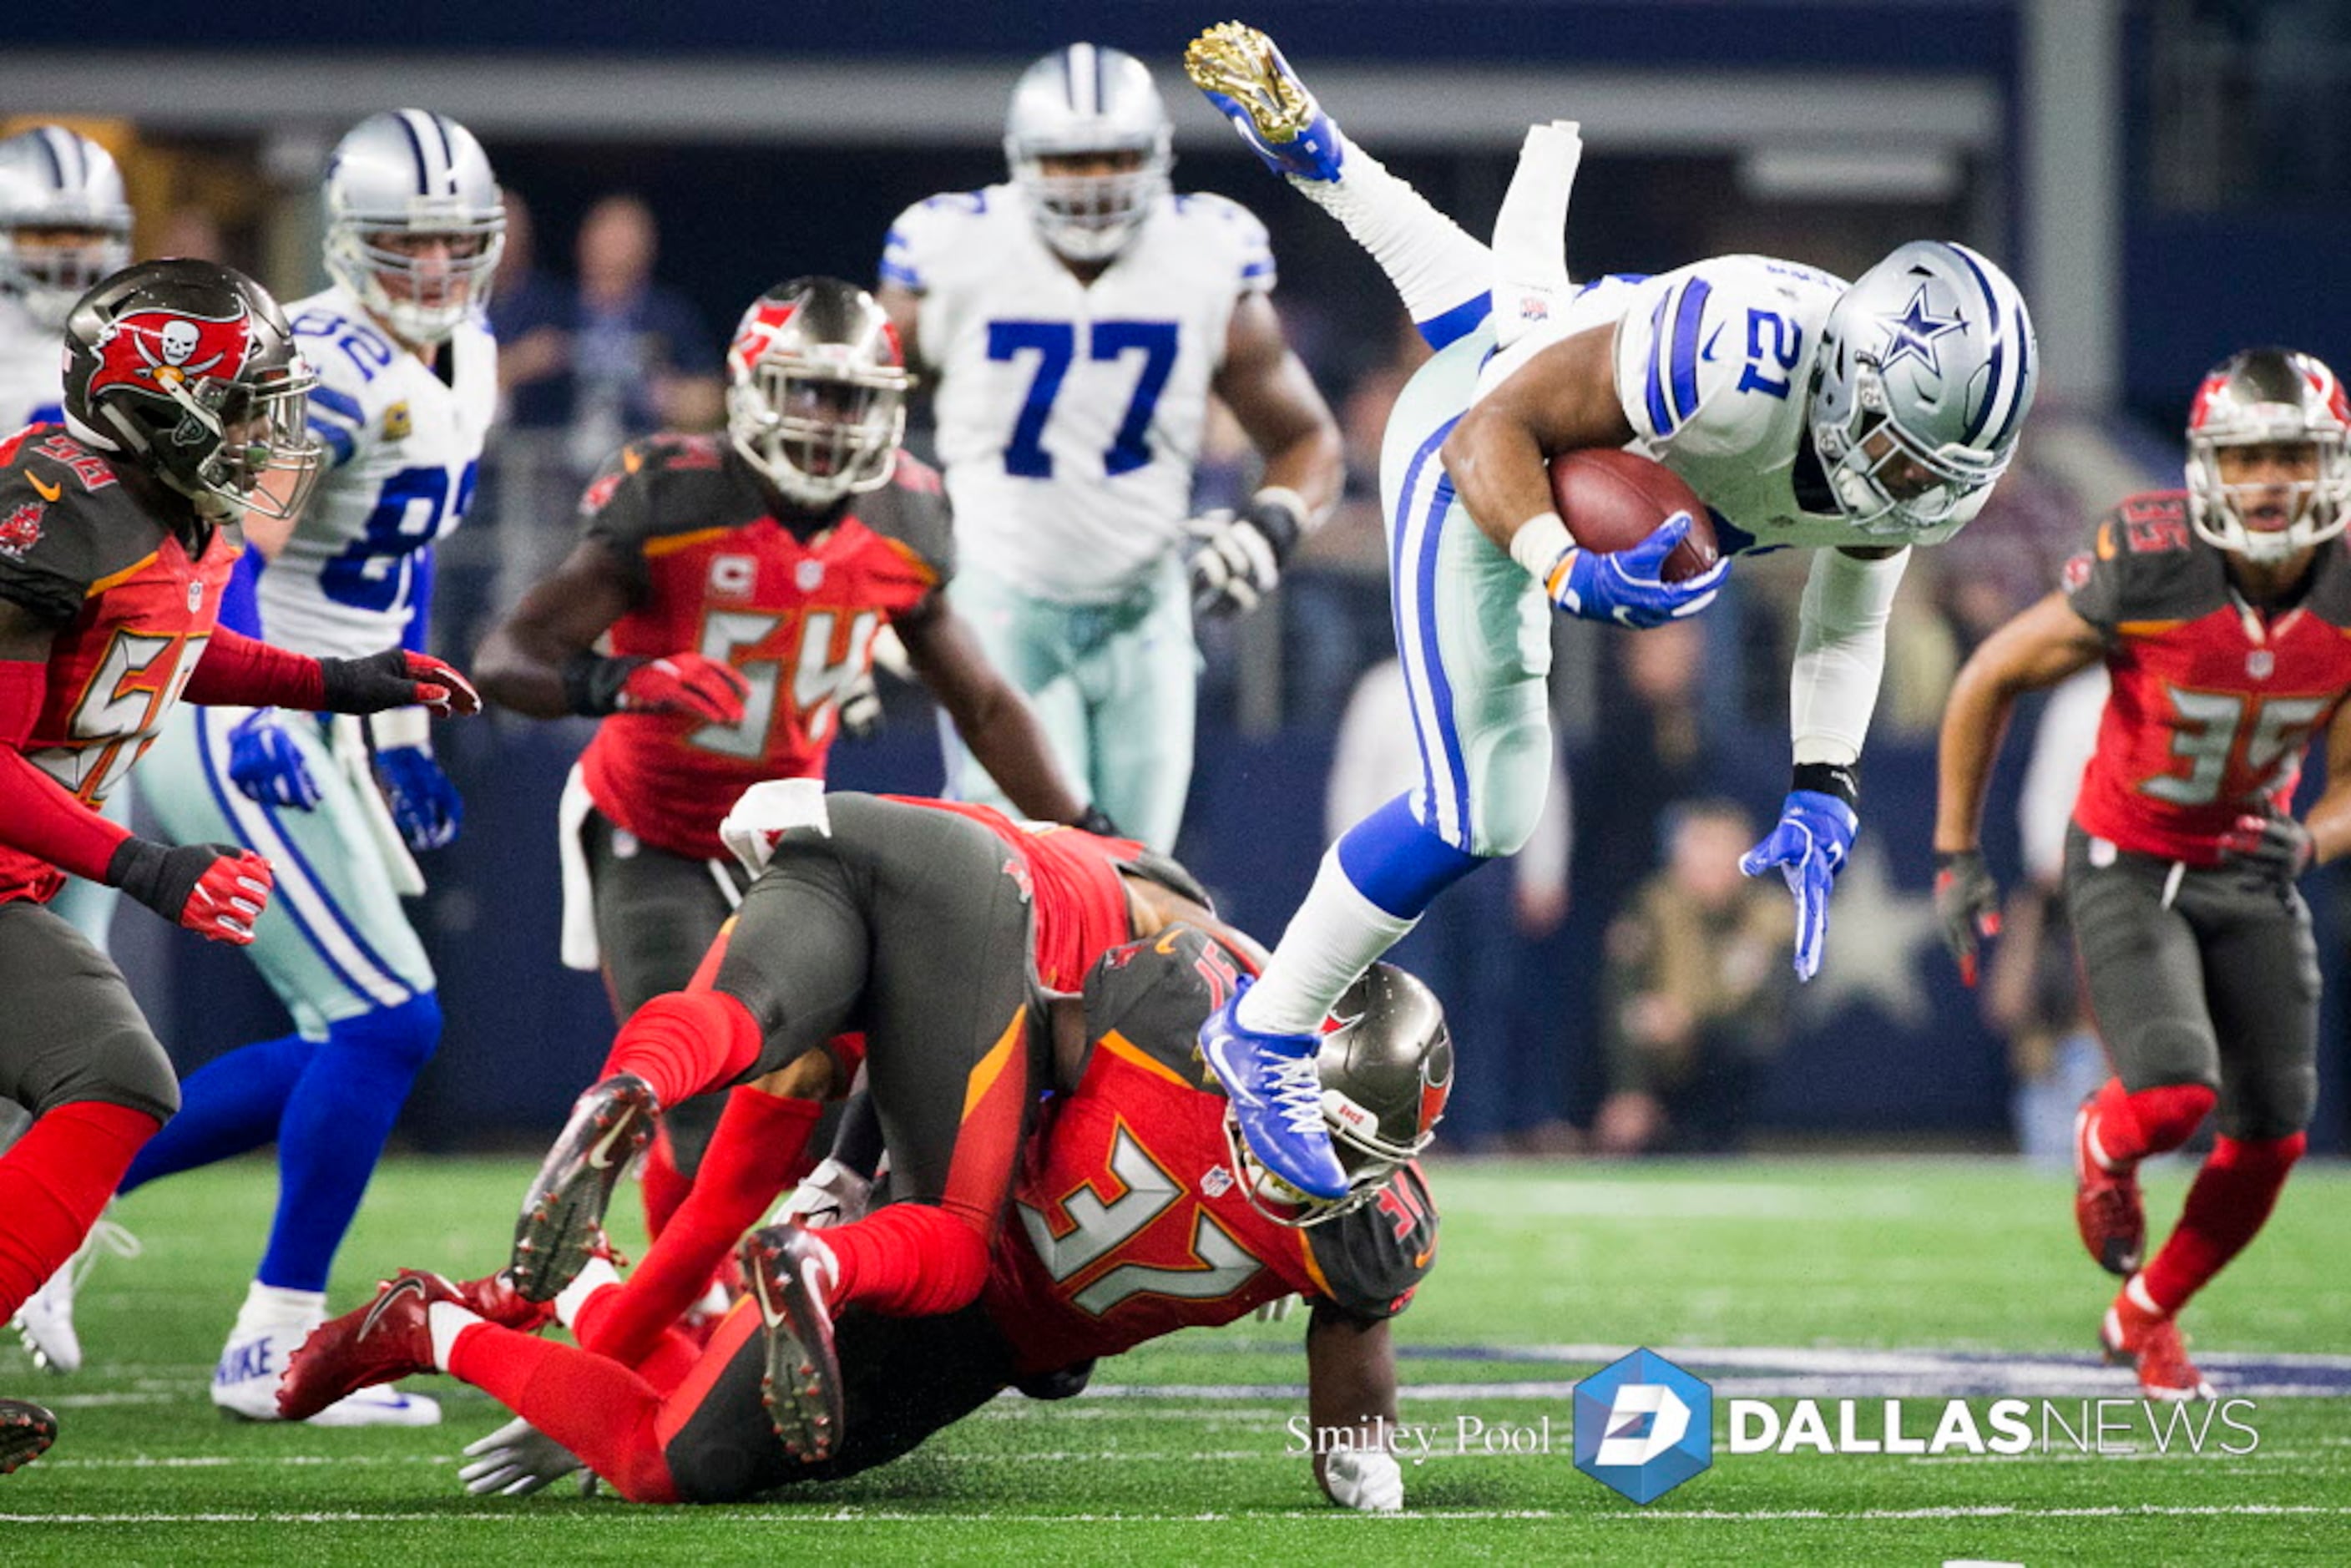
x=1177 y=1456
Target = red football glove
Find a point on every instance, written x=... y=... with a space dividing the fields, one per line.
x=396 y=678
x=217 y=891
x=689 y=683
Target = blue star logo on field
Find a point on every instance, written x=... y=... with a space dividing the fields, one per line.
x=1912 y=335
x=1643 y=1426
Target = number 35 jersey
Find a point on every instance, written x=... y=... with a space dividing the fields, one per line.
x=2213 y=703
x=1129 y=1221
x=1069 y=415
x=404 y=446
x=712 y=569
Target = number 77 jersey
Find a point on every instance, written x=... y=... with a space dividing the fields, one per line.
x=1071 y=414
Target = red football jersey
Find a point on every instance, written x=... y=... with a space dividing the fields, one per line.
x=1076 y=891
x=1128 y=1221
x=133 y=609
x=2214 y=703
x=791 y=602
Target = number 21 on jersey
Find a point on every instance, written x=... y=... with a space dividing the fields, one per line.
x=1055 y=344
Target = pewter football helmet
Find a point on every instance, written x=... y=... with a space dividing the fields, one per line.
x=1926 y=366
x=1085 y=98
x=53 y=180
x=1386 y=1072
x=816 y=398
x=412 y=173
x=2264 y=397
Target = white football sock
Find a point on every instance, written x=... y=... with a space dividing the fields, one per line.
x=273 y=1306
x=1336 y=935
x=447 y=1319
x=568 y=1301
x=1434 y=264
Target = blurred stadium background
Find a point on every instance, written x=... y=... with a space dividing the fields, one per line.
x=2170 y=180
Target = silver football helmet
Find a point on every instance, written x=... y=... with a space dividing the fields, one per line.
x=1926 y=366
x=64 y=223
x=414 y=224
x=1080 y=100
x=2270 y=397
x=1386 y=1072
x=816 y=398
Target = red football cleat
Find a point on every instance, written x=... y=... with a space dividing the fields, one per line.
x=27 y=1430
x=386 y=1340
x=790 y=1273
x=2131 y=1336
x=2106 y=1206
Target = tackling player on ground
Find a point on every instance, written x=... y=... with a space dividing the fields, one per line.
x=1855 y=421
x=742 y=584
x=408 y=381
x=1077 y=320
x=2223 y=615
x=183 y=404
x=1192 y=1236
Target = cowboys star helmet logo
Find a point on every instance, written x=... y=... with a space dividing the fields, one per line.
x=1912 y=335
x=163 y=348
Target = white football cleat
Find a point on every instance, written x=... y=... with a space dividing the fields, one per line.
x=245 y=1383
x=46 y=1321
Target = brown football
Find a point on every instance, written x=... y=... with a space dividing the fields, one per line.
x=1614 y=500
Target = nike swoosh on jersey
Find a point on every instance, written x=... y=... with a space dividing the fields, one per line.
x=49 y=492
x=1707 y=354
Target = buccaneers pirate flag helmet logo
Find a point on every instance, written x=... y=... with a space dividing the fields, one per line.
x=189 y=370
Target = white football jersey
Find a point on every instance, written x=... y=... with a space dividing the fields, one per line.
x=406 y=446
x=32 y=369
x=1069 y=417
x=1713 y=363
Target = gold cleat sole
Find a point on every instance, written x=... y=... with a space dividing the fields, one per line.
x=1238 y=60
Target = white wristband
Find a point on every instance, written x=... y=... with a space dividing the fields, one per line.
x=397 y=727
x=1538 y=543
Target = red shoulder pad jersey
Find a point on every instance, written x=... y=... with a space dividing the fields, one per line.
x=714 y=570
x=1075 y=890
x=132 y=608
x=1131 y=1223
x=2213 y=703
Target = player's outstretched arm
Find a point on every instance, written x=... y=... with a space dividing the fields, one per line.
x=542 y=660
x=989 y=712
x=1285 y=418
x=1351 y=1405
x=2037 y=649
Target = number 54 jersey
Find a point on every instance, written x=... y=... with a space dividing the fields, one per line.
x=711 y=569
x=1071 y=415
x=405 y=440
x=2213 y=703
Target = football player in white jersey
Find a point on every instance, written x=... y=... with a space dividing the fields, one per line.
x=407 y=382
x=1855 y=421
x=64 y=225
x=1076 y=319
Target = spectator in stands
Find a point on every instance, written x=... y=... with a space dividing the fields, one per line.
x=1694 y=999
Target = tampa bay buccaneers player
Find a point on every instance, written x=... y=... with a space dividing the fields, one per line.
x=1140 y=1212
x=2223 y=615
x=741 y=584
x=184 y=406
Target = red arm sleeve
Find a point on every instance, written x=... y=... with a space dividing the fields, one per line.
x=247 y=672
x=37 y=814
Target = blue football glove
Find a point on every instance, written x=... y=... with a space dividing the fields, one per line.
x=1625 y=586
x=266 y=765
x=424 y=803
x=1809 y=846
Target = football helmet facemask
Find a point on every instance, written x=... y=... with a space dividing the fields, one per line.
x=1386 y=1072
x=1926 y=366
x=817 y=390
x=188 y=369
x=414 y=222
x=64 y=223
x=2270 y=397
x=1083 y=101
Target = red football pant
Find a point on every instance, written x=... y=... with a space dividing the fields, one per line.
x=2227 y=1205
x=55 y=1182
x=2128 y=1127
